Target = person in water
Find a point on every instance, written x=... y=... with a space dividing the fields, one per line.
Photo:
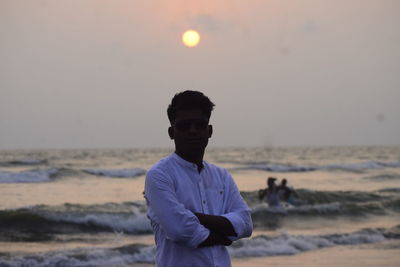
x=284 y=190
x=271 y=193
x=287 y=194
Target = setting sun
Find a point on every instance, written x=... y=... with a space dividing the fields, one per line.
x=191 y=38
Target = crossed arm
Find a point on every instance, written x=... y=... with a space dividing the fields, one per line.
x=220 y=228
x=190 y=228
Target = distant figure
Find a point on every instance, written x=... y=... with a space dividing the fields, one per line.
x=270 y=194
x=286 y=193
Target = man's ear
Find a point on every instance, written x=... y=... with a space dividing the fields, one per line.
x=171 y=133
x=210 y=131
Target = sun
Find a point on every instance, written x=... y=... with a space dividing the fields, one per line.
x=191 y=38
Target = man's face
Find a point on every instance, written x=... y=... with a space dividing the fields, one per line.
x=190 y=131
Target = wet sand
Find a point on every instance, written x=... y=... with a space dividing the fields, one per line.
x=382 y=254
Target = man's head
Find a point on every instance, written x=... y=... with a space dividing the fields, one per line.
x=271 y=181
x=188 y=100
x=189 y=114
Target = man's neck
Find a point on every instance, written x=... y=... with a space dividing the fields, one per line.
x=193 y=158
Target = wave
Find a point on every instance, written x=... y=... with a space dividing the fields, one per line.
x=259 y=246
x=281 y=168
x=33 y=176
x=47 y=175
x=272 y=218
x=264 y=246
x=286 y=209
x=120 y=256
x=24 y=162
x=134 y=222
x=312 y=204
x=120 y=173
x=383 y=177
x=41 y=222
x=390 y=190
x=314 y=197
x=320 y=197
x=271 y=167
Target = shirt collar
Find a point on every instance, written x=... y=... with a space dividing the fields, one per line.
x=184 y=162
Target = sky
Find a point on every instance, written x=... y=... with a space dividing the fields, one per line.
x=100 y=74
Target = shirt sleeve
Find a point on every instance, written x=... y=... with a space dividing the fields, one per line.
x=237 y=211
x=180 y=224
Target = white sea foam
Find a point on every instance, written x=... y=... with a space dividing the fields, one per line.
x=356 y=166
x=262 y=246
x=392 y=164
x=135 y=222
x=263 y=207
x=287 y=208
x=34 y=176
x=282 y=168
x=350 y=167
x=84 y=257
x=320 y=208
x=146 y=254
x=121 y=173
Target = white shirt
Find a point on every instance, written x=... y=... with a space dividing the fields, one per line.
x=174 y=190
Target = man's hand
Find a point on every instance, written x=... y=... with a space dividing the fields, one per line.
x=215 y=239
x=216 y=224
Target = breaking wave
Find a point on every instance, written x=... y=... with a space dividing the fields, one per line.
x=42 y=221
x=47 y=175
x=33 y=176
x=328 y=204
x=259 y=246
x=120 y=173
x=271 y=167
x=264 y=246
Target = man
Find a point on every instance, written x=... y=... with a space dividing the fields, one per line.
x=270 y=194
x=194 y=207
x=288 y=194
x=284 y=190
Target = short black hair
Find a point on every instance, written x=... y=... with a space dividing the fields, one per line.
x=188 y=100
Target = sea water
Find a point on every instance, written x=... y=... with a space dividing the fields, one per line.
x=86 y=207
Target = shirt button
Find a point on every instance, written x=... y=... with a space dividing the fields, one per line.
x=204 y=202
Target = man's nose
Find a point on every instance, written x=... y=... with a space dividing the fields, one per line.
x=192 y=128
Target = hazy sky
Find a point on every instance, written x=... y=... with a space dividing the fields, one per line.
x=93 y=74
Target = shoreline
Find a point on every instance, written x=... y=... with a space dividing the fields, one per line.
x=385 y=253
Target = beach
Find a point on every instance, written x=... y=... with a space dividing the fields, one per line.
x=85 y=207
x=384 y=254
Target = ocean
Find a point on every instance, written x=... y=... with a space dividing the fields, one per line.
x=85 y=207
